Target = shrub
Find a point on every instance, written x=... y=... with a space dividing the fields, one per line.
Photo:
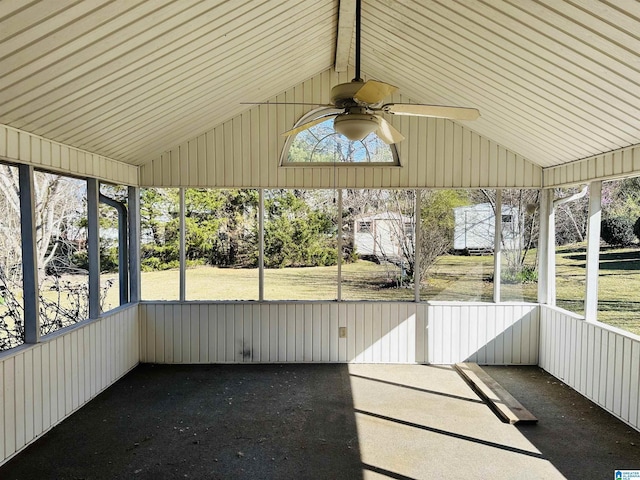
x=636 y=228
x=617 y=231
x=525 y=274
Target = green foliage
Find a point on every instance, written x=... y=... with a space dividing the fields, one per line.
x=437 y=224
x=622 y=198
x=297 y=234
x=524 y=274
x=636 y=228
x=221 y=228
x=617 y=231
x=436 y=209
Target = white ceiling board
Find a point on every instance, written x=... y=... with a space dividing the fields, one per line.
x=123 y=78
x=541 y=93
x=555 y=81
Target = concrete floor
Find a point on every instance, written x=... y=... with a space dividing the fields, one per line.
x=327 y=422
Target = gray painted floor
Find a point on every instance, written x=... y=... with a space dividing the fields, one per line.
x=328 y=422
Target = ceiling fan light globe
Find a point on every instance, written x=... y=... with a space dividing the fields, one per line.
x=355 y=126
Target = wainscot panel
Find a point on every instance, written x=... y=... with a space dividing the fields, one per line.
x=599 y=361
x=42 y=384
x=338 y=332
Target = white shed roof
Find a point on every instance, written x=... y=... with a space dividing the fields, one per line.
x=555 y=81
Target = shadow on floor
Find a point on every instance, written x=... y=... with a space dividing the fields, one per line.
x=578 y=437
x=214 y=422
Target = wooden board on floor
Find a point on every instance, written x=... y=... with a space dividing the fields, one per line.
x=501 y=401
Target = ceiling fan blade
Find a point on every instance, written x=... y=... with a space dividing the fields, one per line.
x=307 y=125
x=374 y=92
x=439 y=111
x=287 y=103
x=387 y=132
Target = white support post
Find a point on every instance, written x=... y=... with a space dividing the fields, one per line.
x=31 y=294
x=593 y=252
x=547 y=250
x=339 y=292
x=134 y=244
x=183 y=248
x=93 y=245
x=416 y=244
x=497 y=248
x=261 y=244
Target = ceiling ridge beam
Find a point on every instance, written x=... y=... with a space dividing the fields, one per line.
x=346 y=26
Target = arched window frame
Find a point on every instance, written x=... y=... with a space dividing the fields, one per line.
x=315 y=113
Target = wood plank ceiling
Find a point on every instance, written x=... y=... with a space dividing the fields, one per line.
x=555 y=80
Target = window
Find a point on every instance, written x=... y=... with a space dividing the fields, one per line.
x=61 y=244
x=300 y=245
x=364 y=227
x=159 y=243
x=321 y=144
x=114 y=261
x=520 y=226
x=11 y=306
x=378 y=258
x=619 y=272
x=221 y=244
x=571 y=233
x=457 y=240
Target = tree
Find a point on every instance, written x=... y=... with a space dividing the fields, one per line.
x=60 y=218
x=57 y=217
x=300 y=230
x=571 y=217
x=437 y=224
x=524 y=227
x=321 y=143
x=436 y=227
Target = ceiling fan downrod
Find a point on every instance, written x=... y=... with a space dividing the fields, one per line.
x=358 y=27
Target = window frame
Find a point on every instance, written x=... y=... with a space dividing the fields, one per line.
x=313 y=114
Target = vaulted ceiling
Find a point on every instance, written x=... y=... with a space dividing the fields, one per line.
x=555 y=81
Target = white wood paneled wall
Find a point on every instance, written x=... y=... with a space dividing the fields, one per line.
x=310 y=332
x=245 y=152
x=281 y=332
x=599 y=361
x=488 y=334
x=22 y=147
x=42 y=384
x=616 y=164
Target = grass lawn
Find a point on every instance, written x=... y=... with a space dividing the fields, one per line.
x=453 y=278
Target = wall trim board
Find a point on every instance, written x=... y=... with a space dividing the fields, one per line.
x=621 y=163
x=17 y=146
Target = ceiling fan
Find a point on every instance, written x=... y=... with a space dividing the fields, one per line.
x=361 y=105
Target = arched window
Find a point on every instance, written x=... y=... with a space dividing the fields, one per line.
x=322 y=145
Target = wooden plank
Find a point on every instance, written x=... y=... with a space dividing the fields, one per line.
x=500 y=401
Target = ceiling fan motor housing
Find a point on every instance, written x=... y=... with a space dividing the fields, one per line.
x=343 y=93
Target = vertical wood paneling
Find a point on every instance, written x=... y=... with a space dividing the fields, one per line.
x=27 y=148
x=376 y=332
x=245 y=151
x=41 y=384
x=605 y=362
x=616 y=164
x=484 y=333
x=9 y=406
